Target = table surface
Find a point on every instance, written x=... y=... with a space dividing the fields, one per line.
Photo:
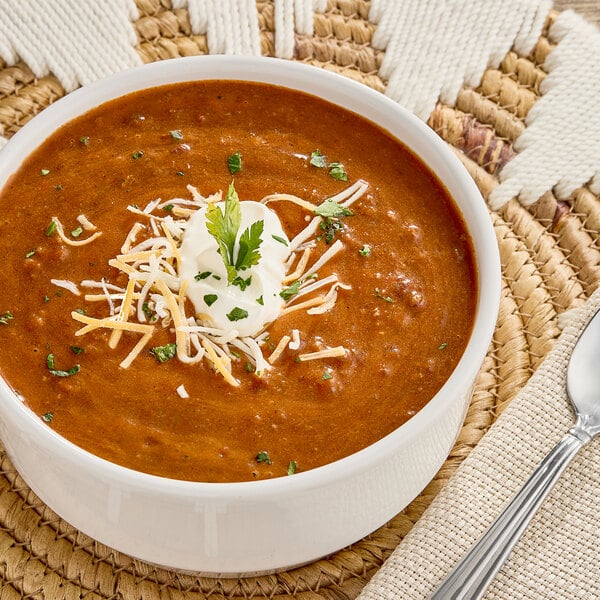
x=590 y=9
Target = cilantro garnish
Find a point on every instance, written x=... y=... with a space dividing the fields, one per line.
x=260 y=301
x=210 y=299
x=6 y=317
x=317 y=159
x=443 y=346
x=224 y=225
x=263 y=457
x=365 y=250
x=47 y=417
x=58 y=372
x=337 y=171
x=51 y=228
x=84 y=140
x=234 y=162
x=76 y=349
x=137 y=155
x=292 y=290
x=332 y=209
x=326 y=375
x=378 y=294
x=164 y=353
x=237 y=314
x=279 y=239
x=176 y=134
x=241 y=282
x=292 y=467
x=58 y=188
x=201 y=276
x=331 y=212
x=168 y=207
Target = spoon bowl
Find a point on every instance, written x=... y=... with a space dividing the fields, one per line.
x=583 y=380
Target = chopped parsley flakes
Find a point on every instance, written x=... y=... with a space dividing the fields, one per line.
x=337 y=171
x=58 y=372
x=263 y=457
x=318 y=160
x=6 y=317
x=237 y=314
x=210 y=299
x=164 y=353
x=234 y=163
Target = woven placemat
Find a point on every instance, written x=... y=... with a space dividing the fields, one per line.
x=550 y=258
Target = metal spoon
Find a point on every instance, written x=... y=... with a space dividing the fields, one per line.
x=471 y=576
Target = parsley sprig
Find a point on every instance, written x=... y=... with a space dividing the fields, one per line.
x=224 y=226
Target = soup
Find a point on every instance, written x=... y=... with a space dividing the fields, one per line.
x=228 y=281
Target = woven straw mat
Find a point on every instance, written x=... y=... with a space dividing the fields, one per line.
x=550 y=258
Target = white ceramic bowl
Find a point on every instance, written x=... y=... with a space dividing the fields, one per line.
x=265 y=525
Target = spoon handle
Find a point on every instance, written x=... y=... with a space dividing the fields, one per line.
x=471 y=576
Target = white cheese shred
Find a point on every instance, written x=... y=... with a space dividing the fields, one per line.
x=337 y=352
x=61 y=234
x=182 y=392
x=67 y=285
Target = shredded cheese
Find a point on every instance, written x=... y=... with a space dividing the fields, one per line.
x=283 y=342
x=61 y=234
x=338 y=351
x=156 y=290
x=67 y=285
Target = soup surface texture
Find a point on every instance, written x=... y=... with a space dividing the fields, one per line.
x=384 y=324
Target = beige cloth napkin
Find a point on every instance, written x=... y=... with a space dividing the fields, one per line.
x=558 y=558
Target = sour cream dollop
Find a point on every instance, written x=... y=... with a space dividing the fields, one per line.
x=202 y=266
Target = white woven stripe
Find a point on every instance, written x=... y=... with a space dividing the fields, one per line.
x=231 y=26
x=294 y=16
x=560 y=148
x=79 y=42
x=434 y=48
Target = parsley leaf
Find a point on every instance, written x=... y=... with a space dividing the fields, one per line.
x=237 y=314
x=279 y=239
x=6 y=317
x=234 y=163
x=291 y=291
x=164 y=353
x=332 y=209
x=210 y=299
x=57 y=372
x=249 y=244
x=337 y=171
x=51 y=228
x=378 y=294
x=241 y=282
x=317 y=159
x=224 y=225
x=263 y=457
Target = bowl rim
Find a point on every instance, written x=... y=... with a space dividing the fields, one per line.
x=283 y=73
